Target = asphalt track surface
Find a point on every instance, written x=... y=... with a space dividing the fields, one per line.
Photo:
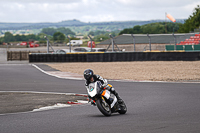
x=152 y=107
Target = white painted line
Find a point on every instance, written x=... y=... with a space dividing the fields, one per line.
x=56 y=106
x=82 y=101
x=56 y=75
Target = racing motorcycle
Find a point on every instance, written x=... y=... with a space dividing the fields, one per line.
x=101 y=96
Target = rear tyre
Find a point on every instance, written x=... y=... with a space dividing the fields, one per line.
x=103 y=107
x=123 y=108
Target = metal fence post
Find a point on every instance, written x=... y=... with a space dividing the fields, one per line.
x=112 y=42
x=133 y=41
x=90 y=41
x=47 y=44
x=149 y=41
x=174 y=41
x=69 y=44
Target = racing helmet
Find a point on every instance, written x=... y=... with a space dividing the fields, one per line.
x=88 y=74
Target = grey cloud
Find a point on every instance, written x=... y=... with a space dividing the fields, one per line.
x=93 y=10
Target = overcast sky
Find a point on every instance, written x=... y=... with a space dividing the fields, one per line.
x=93 y=10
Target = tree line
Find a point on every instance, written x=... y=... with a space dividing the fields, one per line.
x=51 y=31
x=153 y=28
x=193 y=22
x=56 y=35
x=9 y=37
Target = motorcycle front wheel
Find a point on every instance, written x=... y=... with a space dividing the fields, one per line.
x=103 y=107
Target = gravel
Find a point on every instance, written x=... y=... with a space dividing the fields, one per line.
x=147 y=70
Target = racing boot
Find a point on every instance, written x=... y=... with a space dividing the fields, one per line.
x=119 y=100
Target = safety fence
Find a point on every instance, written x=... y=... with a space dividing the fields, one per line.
x=117 y=56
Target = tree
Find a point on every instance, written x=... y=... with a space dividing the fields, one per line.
x=65 y=31
x=48 y=31
x=91 y=33
x=23 y=38
x=1 y=41
x=97 y=32
x=17 y=37
x=42 y=35
x=137 y=29
x=59 y=37
x=125 y=31
x=31 y=37
x=192 y=22
x=101 y=37
x=8 y=37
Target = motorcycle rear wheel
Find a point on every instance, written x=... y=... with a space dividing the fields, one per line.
x=103 y=107
x=123 y=108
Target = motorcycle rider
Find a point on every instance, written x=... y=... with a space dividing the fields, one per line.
x=90 y=77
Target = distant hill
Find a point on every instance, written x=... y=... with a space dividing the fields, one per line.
x=120 y=25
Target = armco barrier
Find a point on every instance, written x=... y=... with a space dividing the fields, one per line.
x=116 y=56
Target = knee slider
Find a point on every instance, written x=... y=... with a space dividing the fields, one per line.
x=112 y=89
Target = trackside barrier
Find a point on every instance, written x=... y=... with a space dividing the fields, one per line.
x=117 y=56
x=183 y=47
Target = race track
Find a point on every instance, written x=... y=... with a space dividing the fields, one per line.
x=153 y=107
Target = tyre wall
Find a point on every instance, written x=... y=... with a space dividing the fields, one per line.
x=117 y=56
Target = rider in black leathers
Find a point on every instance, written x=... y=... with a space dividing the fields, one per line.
x=91 y=77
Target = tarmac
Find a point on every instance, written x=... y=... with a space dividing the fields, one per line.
x=15 y=102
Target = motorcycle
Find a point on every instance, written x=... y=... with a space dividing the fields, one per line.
x=102 y=96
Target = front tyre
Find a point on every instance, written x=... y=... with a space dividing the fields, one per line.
x=103 y=107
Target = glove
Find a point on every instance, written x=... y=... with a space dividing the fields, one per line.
x=100 y=85
x=93 y=103
x=105 y=82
